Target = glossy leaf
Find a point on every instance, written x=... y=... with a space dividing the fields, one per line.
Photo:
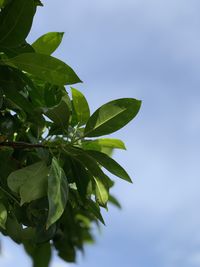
x=110 y=164
x=112 y=117
x=48 y=43
x=81 y=107
x=57 y=192
x=29 y=182
x=44 y=67
x=15 y=22
x=3 y=216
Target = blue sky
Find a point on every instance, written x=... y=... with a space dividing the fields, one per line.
x=147 y=49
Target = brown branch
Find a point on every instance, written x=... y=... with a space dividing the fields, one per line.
x=21 y=145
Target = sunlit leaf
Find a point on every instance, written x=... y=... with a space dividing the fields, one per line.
x=81 y=107
x=112 y=117
x=46 y=68
x=48 y=43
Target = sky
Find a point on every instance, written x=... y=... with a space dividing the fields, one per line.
x=149 y=50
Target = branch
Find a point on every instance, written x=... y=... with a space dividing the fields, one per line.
x=21 y=145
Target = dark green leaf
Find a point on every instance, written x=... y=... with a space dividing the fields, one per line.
x=112 y=117
x=94 y=209
x=48 y=43
x=110 y=164
x=46 y=68
x=81 y=107
x=81 y=177
x=60 y=113
x=40 y=253
x=15 y=22
x=114 y=201
x=29 y=182
x=57 y=192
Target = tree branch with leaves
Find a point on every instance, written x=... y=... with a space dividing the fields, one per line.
x=52 y=150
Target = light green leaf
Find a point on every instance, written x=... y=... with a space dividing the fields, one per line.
x=60 y=113
x=2 y=3
x=29 y=182
x=101 y=192
x=112 y=117
x=3 y=215
x=80 y=106
x=98 y=144
x=110 y=164
x=15 y=22
x=46 y=68
x=48 y=43
x=58 y=191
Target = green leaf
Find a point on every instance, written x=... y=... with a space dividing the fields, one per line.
x=80 y=106
x=57 y=192
x=60 y=113
x=98 y=144
x=88 y=161
x=101 y=192
x=95 y=210
x=29 y=182
x=3 y=216
x=81 y=177
x=46 y=68
x=112 y=117
x=110 y=164
x=14 y=51
x=40 y=253
x=114 y=201
x=48 y=43
x=15 y=22
x=2 y=3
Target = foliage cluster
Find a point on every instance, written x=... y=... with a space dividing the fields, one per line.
x=52 y=185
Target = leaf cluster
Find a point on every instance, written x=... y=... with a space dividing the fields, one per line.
x=54 y=156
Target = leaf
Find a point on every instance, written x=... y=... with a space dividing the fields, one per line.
x=98 y=144
x=40 y=253
x=60 y=113
x=14 y=51
x=15 y=22
x=81 y=177
x=114 y=201
x=3 y=216
x=110 y=164
x=101 y=192
x=57 y=192
x=2 y=3
x=29 y=182
x=46 y=68
x=112 y=117
x=80 y=106
x=88 y=161
x=95 y=210
x=48 y=43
